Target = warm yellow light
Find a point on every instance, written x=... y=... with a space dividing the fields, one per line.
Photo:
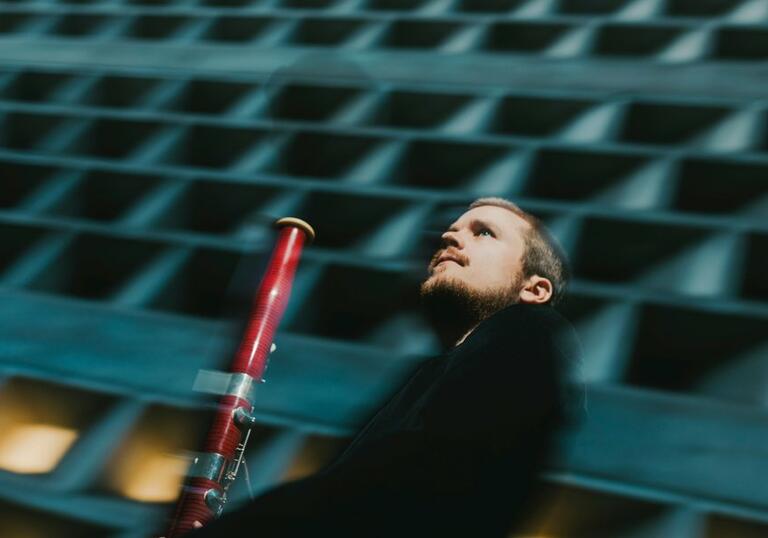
x=19 y=528
x=156 y=477
x=316 y=451
x=34 y=448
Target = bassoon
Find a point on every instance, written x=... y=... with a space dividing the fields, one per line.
x=214 y=468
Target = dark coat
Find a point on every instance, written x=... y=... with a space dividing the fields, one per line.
x=454 y=452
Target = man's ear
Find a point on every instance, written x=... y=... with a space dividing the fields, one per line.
x=536 y=290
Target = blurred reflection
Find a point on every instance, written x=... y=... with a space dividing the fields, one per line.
x=149 y=475
x=40 y=422
x=315 y=453
x=151 y=464
x=34 y=448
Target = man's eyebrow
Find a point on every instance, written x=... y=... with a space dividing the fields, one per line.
x=477 y=223
x=482 y=223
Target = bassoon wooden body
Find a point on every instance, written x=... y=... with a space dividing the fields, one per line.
x=215 y=467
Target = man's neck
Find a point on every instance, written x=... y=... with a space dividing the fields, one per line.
x=475 y=325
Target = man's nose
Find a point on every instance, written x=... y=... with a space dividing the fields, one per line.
x=452 y=239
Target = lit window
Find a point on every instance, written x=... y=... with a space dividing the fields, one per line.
x=153 y=476
x=34 y=448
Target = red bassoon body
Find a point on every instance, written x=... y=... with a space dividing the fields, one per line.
x=204 y=491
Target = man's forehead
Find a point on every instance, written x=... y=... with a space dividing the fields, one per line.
x=493 y=215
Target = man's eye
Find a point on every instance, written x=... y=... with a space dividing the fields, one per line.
x=482 y=231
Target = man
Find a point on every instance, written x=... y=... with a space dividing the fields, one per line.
x=456 y=451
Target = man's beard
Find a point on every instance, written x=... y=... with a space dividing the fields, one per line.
x=453 y=308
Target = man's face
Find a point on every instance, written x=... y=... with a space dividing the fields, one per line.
x=482 y=250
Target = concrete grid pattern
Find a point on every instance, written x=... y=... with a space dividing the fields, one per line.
x=145 y=146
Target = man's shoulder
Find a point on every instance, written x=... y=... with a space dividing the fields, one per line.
x=525 y=336
x=525 y=346
x=557 y=342
x=525 y=322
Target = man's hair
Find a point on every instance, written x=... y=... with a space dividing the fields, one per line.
x=543 y=255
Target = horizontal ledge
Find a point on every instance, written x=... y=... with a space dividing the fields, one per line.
x=737 y=80
x=707 y=506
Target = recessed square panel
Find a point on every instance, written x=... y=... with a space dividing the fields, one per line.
x=231 y=29
x=418 y=34
x=707 y=185
x=620 y=251
x=310 y=102
x=523 y=37
x=338 y=309
x=536 y=116
x=634 y=39
x=112 y=138
x=27 y=131
x=14 y=22
x=741 y=43
x=157 y=3
x=417 y=109
x=577 y=174
x=662 y=123
x=19 y=180
x=95 y=266
x=35 y=86
x=211 y=147
x=103 y=196
x=227 y=3
x=755 y=284
x=209 y=96
x=15 y=240
x=119 y=91
x=79 y=25
x=449 y=165
x=590 y=7
x=487 y=6
x=306 y=4
x=678 y=348
x=156 y=26
x=699 y=8
x=320 y=155
x=394 y=5
x=324 y=32
x=214 y=207
x=362 y=215
x=200 y=287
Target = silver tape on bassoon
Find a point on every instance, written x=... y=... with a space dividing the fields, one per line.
x=223 y=384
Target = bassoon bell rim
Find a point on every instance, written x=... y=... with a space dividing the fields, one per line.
x=299 y=223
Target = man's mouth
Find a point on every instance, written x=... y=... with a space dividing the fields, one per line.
x=447 y=260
